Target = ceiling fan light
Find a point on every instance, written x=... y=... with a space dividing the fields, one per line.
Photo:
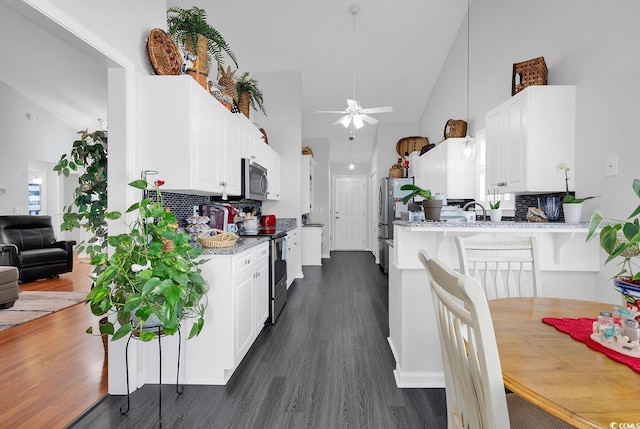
x=357 y=122
x=346 y=121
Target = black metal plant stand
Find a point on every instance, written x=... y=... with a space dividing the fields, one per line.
x=179 y=388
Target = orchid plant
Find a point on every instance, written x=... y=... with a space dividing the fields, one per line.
x=568 y=198
x=143 y=276
x=494 y=200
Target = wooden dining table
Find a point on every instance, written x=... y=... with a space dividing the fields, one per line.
x=563 y=376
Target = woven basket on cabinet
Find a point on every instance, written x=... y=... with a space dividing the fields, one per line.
x=527 y=73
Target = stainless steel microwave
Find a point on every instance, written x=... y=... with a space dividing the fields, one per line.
x=255 y=182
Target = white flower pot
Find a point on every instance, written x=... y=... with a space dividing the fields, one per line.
x=572 y=212
x=495 y=215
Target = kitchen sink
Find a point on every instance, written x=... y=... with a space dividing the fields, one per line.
x=314 y=224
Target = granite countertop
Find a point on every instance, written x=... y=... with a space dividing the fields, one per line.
x=492 y=225
x=243 y=243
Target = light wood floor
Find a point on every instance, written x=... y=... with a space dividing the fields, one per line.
x=50 y=369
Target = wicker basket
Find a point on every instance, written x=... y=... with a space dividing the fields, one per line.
x=198 y=71
x=220 y=239
x=455 y=128
x=396 y=171
x=406 y=145
x=163 y=53
x=527 y=73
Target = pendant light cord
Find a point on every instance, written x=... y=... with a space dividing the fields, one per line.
x=354 y=11
x=468 y=59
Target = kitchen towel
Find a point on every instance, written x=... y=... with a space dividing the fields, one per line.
x=581 y=329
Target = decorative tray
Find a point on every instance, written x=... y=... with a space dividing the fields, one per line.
x=616 y=341
x=163 y=53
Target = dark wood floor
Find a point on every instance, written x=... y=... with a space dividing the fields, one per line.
x=325 y=364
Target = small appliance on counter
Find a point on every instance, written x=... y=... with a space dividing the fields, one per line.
x=268 y=220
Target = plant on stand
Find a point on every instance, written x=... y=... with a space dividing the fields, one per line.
x=495 y=212
x=249 y=95
x=571 y=206
x=619 y=239
x=430 y=205
x=143 y=278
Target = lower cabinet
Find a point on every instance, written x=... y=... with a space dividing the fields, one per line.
x=238 y=306
x=294 y=263
x=311 y=245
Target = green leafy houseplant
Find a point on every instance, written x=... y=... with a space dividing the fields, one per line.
x=89 y=209
x=248 y=87
x=184 y=26
x=143 y=276
x=415 y=191
x=620 y=238
x=568 y=198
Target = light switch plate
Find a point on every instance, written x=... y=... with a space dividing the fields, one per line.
x=611 y=166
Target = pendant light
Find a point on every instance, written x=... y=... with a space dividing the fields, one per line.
x=469 y=145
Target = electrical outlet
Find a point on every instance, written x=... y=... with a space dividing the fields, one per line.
x=611 y=165
x=17 y=209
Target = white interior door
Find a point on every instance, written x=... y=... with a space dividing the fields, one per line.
x=349 y=212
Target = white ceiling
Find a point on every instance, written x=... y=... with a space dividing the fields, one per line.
x=400 y=49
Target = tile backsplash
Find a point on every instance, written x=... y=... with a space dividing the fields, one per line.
x=523 y=202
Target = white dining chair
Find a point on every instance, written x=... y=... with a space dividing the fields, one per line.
x=504 y=264
x=475 y=391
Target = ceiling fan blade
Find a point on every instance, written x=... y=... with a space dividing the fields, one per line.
x=331 y=111
x=369 y=119
x=345 y=118
x=384 y=109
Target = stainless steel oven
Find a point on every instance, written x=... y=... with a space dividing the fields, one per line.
x=277 y=269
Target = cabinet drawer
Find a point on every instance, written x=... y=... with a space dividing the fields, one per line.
x=261 y=252
x=242 y=262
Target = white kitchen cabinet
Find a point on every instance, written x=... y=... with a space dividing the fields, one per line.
x=306 y=173
x=444 y=170
x=527 y=136
x=191 y=139
x=238 y=306
x=311 y=245
x=294 y=263
x=272 y=161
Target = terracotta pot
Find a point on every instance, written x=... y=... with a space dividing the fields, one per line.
x=432 y=209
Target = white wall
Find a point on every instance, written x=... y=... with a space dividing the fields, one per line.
x=40 y=140
x=284 y=130
x=585 y=43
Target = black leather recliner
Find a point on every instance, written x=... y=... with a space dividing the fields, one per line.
x=29 y=244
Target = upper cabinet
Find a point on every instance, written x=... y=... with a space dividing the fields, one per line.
x=527 y=136
x=445 y=170
x=306 y=184
x=192 y=140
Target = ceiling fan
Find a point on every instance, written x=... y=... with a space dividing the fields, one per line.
x=355 y=114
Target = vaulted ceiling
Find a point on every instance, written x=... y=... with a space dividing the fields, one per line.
x=400 y=49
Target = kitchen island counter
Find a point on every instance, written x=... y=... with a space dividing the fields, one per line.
x=568 y=267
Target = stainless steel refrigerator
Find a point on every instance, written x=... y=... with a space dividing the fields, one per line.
x=390 y=208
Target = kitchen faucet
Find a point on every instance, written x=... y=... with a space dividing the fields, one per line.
x=475 y=203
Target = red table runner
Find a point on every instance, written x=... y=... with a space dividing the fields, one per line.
x=581 y=329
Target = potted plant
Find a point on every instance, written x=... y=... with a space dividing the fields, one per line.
x=431 y=206
x=495 y=212
x=144 y=278
x=249 y=94
x=191 y=31
x=619 y=239
x=571 y=206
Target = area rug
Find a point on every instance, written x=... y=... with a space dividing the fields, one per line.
x=33 y=305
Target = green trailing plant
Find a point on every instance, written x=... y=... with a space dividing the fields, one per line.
x=415 y=191
x=88 y=156
x=569 y=198
x=248 y=87
x=187 y=24
x=144 y=276
x=620 y=238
